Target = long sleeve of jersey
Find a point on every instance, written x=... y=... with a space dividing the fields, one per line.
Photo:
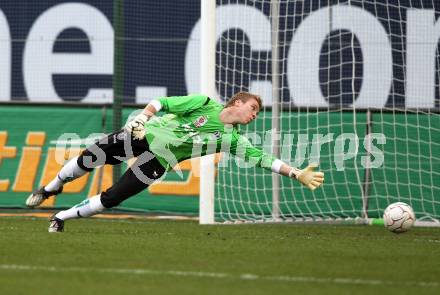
x=181 y=105
x=242 y=148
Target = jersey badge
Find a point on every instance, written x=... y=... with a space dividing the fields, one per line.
x=200 y=121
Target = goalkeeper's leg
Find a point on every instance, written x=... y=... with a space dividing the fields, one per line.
x=111 y=149
x=69 y=172
x=130 y=184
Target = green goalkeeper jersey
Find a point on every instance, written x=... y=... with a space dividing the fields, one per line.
x=191 y=128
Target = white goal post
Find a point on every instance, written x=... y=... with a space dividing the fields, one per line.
x=353 y=85
x=207 y=86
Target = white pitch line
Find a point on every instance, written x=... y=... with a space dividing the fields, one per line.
x=219 y=275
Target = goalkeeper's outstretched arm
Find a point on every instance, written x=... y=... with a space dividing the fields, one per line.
x=308 y=177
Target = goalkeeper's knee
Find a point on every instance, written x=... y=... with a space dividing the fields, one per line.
x=109 y=200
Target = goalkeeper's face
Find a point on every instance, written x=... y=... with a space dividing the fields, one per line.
x=246 y=111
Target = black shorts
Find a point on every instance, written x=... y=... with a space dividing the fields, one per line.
x=115 y=149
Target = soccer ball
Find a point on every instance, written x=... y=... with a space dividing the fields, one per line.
x=398 y=217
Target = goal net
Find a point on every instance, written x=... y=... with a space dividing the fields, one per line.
x=352 y=85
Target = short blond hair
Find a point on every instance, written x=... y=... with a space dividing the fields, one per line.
x=244 y=97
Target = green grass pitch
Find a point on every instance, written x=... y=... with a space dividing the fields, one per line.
x=181 y=257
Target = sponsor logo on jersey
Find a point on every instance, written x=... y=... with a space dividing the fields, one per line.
x=200 y=121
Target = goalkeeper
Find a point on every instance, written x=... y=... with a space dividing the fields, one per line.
x=193 y=126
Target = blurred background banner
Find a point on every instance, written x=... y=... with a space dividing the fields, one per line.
x=63 y=50
x=55 y=51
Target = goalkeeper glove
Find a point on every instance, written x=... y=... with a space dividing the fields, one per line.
x=308 y=177
x=136 y=126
